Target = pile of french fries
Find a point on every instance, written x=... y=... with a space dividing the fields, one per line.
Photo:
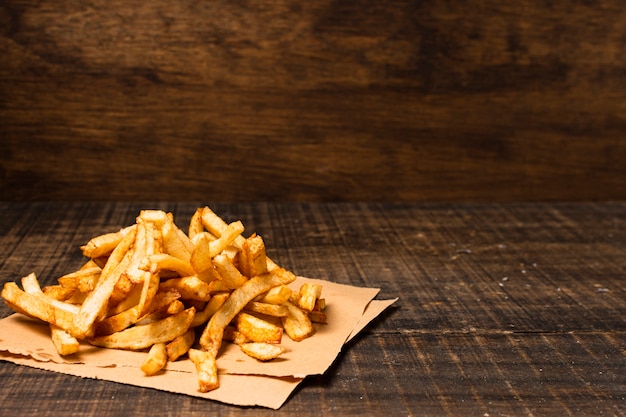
x=152 y=287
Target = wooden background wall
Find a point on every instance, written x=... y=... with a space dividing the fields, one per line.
x=313 y=100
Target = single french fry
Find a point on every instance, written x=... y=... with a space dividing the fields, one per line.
x=141 y=337
x=297 y=324
x=258 y=330
x=262 y=351
x=174 y=243
x=200 y=260
x=104 y=244
x=31 y=286
x=162 y=261
x=189 y=287
x=309 y=294
x=155 y=360
x=274 y=310
x=37 y=307
x=64 y=343
x=72 y=280
x=276 y=295
x=228 y=273
x=181 y=345
x=206 y=367
x=195 y=224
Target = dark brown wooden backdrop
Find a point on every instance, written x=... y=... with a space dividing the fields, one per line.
x=323 y=100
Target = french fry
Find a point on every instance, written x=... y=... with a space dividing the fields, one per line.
x=64 y=343
x=228 y=273
x=104 y=244
x=206 y=367
x=72 y=280
x=155 y=360
x=262 y=351
x=141 y=337
x=31 y=286
x=195 y=224
x=274 y=310
x=180 y=345
x=258 y=330
x=189 y=287
x=37 y=307
x=175 y=243
x=276 y=295
x=309 y=294
x=162 y=261
x=297 y=324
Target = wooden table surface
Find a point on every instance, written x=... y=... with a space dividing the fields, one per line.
x=504 y=309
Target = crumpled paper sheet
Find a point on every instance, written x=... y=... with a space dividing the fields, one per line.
x=350 y=309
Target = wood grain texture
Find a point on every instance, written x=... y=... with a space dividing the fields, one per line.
x=345 y=100
x=504 y=309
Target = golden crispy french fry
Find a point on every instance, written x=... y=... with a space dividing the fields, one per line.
x=163 y=261
x=195 y=224
x=64 y=343
x=276 y=295
x=58 y=292
x=228 y=273
x=181 y=345
x=258 y=330
x=309 y=294
x=274 y=310
x=31 y=286
x=211 y=338
x=35 y=306
x=104 y=244
x=206 y=367
x=141 y=337
x=201 y=261
x=73 y=279
x=297 y=324
x=175 y=242
x=189 y=287
x=158 y=217
x=155 y=360
x=262 y=351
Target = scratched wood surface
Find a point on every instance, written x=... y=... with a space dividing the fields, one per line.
x=504 y=309
x=396 y=100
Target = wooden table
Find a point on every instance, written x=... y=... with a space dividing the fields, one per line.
x=504 y=309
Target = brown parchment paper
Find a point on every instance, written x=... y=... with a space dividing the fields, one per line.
x=25 y=341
